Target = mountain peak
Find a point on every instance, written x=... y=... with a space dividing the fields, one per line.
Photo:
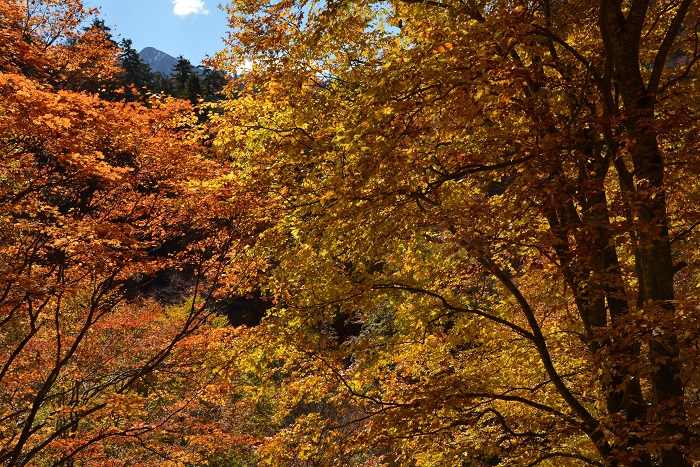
x=158 y=60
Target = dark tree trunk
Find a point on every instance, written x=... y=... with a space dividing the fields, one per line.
x=621 y=34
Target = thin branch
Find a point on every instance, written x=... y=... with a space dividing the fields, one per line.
x=567 y=455
x=352 y=391
x=601 y=83
x=684 y=233
x=590 y=425
x=428 y=2
x=522 y=400
x=665 y=48
x=689 y=65
x=446 y=304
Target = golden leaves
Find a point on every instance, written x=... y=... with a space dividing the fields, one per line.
x=417 y=147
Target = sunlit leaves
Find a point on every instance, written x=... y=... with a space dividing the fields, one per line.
x=458 y=214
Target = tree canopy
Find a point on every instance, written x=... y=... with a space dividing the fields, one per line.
x=99 y=199
x=480 y=228
x=460 y=232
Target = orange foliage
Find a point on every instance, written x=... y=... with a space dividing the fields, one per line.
x=44 y=41
x=96 y=197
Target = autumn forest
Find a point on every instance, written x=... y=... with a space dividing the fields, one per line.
x=460 y=233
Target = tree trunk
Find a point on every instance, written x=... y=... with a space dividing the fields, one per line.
x=621 y=35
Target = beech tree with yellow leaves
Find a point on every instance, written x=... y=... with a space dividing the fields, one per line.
x=481 y=228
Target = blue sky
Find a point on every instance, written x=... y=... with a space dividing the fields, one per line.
x=191 y=28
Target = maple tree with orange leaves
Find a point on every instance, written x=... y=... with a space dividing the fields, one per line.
x=99 y=200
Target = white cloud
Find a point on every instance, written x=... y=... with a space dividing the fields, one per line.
x=189 y=7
